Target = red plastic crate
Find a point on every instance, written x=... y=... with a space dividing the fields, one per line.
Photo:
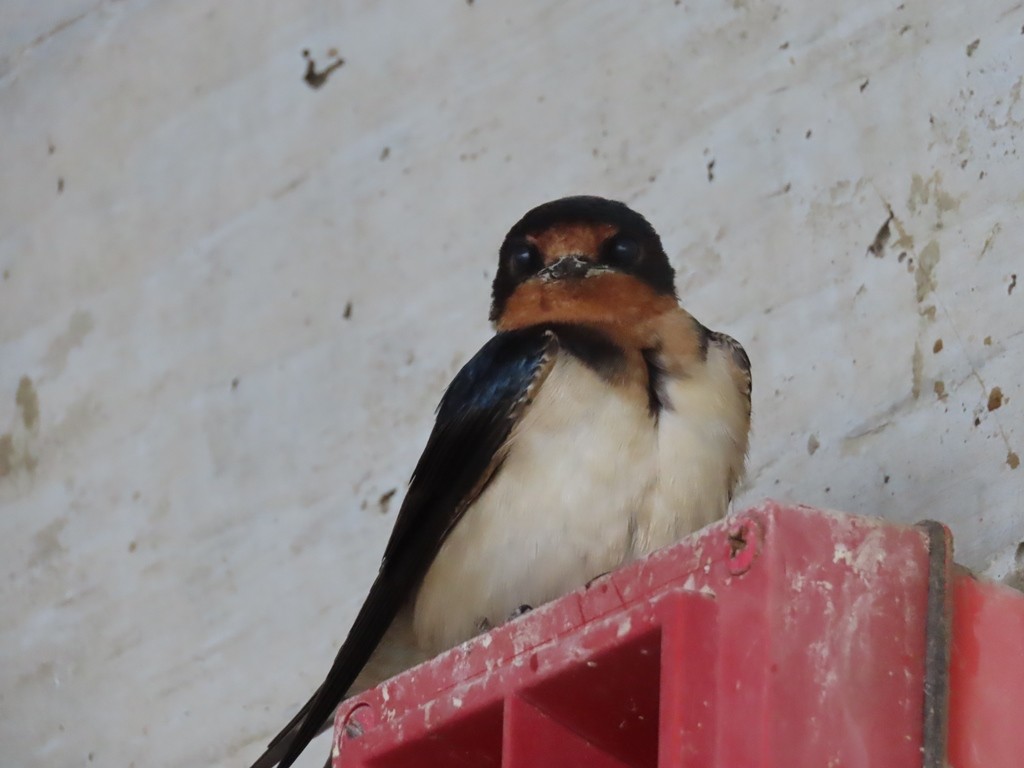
x=986 y=707
x=782 y=637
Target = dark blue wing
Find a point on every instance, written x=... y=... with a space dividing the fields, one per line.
x=473 y=423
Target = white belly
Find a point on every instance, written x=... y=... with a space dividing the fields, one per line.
x=591 y=481
x=557 y=513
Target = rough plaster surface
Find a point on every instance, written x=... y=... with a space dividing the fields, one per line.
x=230 y=301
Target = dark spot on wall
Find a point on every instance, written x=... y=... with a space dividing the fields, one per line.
x=234 y=383
x=132 y=545
x=977 y=421
x=15 y=446
x=1012 y=460
x=60 y=184
x=885 y=480
x=28 y=403
x=316 y=78
x=940 y=389
x=808 y=134
x=877 y=246
x=384 y=153
x=987 y=341
x=995 y=398
x=937 y=346
x=904 y=29
x=50 y=147
x=385 y=500
x=784 y=46
x=1012 y=285
x=347 y=314
x=711 y=170
x=7 y=458
x=864 y=85
x=973 y=46
x=812 y=445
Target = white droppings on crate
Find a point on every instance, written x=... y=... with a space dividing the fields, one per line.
x=456 y=702
x=866 y=559
x=624 y=627
x=842 y=554
x=870 y=555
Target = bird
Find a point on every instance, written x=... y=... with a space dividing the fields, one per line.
x=600 y=422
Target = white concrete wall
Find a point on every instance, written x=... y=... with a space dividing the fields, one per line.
x=198 y=441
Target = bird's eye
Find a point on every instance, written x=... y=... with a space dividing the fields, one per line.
x=524 y=259
x=622 y=251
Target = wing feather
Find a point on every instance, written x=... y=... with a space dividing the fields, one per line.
x=464 y=450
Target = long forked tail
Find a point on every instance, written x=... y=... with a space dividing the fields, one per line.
x=279 y=745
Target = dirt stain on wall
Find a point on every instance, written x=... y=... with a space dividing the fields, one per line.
x=916 y=371
x=27 y=400
x=15 y=452
x=924 y=275
x=924 y=191
x=79 y=326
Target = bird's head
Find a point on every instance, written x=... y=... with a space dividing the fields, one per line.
x=580 y=260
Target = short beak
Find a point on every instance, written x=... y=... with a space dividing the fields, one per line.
x=569 y=267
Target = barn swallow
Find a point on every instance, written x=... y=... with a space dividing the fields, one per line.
x=601 y=422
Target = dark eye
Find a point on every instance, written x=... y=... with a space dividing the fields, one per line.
x=622 y=251
x=524 y=258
